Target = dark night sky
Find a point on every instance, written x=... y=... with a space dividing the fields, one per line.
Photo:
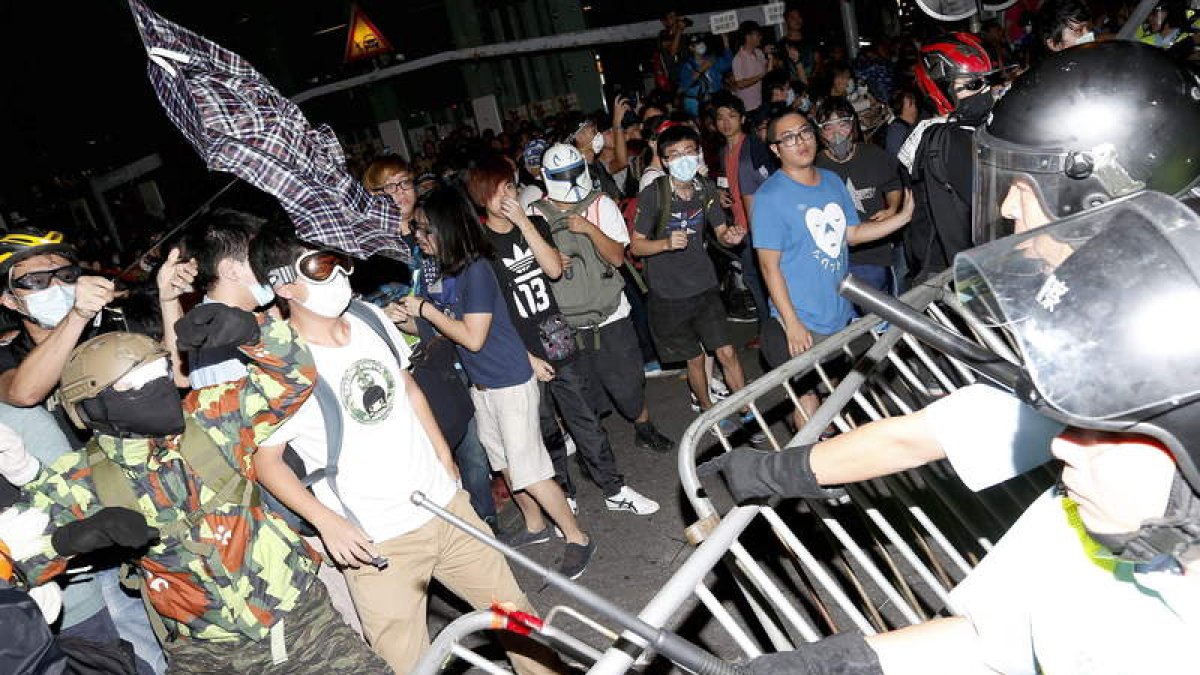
x=74 y=95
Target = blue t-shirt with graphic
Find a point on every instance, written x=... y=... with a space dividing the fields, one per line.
x=807 y=225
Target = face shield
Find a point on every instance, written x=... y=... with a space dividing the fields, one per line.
x=1061 y=183
x=1102 y=307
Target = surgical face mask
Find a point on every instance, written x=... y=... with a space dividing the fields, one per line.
x=329 y=299
x=684 y=168
x=50 y=306
x=597 y=143
x=790 y=97
x=701 y=49
x=840 y=146
x=263 y=295
x=1087 y=37
x=804 y=105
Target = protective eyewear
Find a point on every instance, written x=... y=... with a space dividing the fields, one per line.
x=973 y=85
x=318 y=267
x=839 y=122
x=400 y=185
x=805 y=133
x=37 y=281
x=567 y=174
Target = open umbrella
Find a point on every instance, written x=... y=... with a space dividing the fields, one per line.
x=239 y=123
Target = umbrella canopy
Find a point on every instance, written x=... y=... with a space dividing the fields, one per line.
x=240 y=124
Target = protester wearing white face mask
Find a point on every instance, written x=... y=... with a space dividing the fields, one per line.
x=686 y=314
x=1064 y=24
x=43 y=283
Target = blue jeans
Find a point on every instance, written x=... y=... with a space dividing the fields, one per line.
x=129 y=616
x=753 y=280
x=476 y=473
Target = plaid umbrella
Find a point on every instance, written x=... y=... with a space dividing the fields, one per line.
x=241 y=124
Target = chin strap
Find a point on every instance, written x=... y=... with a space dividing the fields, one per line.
x=1172 y=541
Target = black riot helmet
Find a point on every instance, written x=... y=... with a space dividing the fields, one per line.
x=1084 y=126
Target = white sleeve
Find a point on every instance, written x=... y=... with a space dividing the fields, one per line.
x=989 y=435
x=612 y=223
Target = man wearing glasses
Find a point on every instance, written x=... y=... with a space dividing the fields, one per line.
x=44 y=285
x=804 y=219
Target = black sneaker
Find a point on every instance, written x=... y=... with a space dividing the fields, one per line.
x=524 y=537
x=576 y=558
x=648 y=437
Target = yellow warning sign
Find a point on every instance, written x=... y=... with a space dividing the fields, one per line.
x=365 y=39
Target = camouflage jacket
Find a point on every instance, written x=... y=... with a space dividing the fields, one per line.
x=258 y=566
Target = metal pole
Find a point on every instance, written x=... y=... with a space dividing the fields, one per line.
x=1136 y=18
x=664 y=642
x=850 y=27
x=203 y=208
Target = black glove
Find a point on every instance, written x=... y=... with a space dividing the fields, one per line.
x=752 y=474
x=842 y=654
x=214 y=325
x=112 y=526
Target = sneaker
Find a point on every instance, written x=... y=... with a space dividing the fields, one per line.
x=648 y=437
x=652 y=369
x=576 y=558
x=717 y=390
x=728 y=426
x=742 y=315
x=628 y=499
x=524 y=537
x=574 y=506
x=695 y=405
x=758 y=437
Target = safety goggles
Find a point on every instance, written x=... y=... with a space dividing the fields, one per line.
x=37 y=281
x=846 y=123
x=318 y=267
x=973 y=85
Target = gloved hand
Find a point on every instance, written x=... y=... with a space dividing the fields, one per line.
x=113 y=526
x=752 y=474
x=841 y=654
x=216 y=325
x=16 y=464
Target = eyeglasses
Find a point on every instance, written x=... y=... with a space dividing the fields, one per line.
x=791 y=138
x=402 y=184
x=319 y=267
x=37 y=281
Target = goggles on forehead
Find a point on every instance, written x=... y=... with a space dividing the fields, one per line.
x=848 y=121
x=318 y=267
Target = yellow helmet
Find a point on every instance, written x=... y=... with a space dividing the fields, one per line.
x=98 y=363
x=17 y=246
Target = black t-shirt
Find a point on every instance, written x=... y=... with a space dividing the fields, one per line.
x=527 y=292
x=869 y=175
x=688 y=272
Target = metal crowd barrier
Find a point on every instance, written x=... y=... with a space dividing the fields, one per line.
x=881 y=558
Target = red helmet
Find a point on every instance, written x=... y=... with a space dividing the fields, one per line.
x=945 y=58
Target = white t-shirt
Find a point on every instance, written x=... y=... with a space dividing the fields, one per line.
x=989 y=435
x=612 y=224
x=1041 y=605
x=386 y=454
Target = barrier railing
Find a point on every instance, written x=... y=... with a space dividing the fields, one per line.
x=884 y=556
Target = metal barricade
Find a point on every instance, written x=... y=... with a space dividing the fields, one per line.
x=885 y=556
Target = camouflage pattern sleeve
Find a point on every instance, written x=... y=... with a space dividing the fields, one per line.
x=281 y=376
x=64 y=493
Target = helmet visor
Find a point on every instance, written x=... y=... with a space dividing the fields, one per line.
x=1100 y=305
x=567 y=174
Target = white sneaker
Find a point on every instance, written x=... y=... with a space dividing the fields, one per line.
x=573 y=504
x=632 y=501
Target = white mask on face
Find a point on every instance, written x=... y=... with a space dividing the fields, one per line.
x=701 y=49
x=598 y=143
x=329 y=299
x=1087 y=37
x=48 y=307
x=263 y=295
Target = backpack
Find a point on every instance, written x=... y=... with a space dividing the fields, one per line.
x=228 y=485
x=590 y=290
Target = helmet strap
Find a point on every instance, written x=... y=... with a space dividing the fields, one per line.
x=1163 y=543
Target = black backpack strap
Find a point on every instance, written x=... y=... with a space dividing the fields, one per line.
x=663 y=183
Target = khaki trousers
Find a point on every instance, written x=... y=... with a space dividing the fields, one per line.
x=392 y=602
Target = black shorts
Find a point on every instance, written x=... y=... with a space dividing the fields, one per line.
x=774 y=342
x=679 y=327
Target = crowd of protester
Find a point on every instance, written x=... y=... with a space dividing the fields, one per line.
x=555 y=265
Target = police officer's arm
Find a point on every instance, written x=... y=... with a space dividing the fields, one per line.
x=877 y=449
x=877 y=229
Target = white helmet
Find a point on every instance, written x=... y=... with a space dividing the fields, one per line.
x=566 y=174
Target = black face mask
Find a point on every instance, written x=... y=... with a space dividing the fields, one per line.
x=973 y=110
x=154 y=411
